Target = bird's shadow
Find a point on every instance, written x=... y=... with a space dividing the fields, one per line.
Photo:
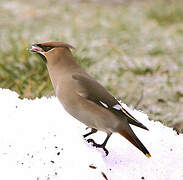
x=118 y=156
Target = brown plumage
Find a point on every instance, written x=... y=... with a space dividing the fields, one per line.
x=84 y=98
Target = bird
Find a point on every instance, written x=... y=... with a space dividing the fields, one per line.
x=86 y=99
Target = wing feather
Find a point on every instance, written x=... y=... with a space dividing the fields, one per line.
x=101 y=97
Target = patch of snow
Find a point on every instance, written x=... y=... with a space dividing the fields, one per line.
x=40 y=141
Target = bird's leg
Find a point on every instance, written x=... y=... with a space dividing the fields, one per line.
x=101 y=145
x=92 y=132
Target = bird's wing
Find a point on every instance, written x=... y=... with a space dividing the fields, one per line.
x=93 y=91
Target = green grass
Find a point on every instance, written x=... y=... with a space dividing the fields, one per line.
x=130 y=47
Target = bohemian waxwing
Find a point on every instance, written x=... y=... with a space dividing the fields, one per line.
x=84 y=98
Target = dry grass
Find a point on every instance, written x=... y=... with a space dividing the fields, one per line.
x=130 y=48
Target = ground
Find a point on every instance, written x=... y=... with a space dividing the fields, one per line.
x=40 y=141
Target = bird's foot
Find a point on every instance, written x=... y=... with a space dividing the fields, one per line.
x=98 y=145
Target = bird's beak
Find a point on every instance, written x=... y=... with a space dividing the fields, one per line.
x=36 y=49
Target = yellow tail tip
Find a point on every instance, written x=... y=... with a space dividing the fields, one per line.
x=148 y=155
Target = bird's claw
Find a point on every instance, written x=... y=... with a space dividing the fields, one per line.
x=106 y=151
x=91 y=141
x=98 y=145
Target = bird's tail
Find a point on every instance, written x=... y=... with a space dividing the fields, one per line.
x=130 y=136
x=133 y=120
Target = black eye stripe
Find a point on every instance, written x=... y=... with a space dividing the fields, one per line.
x=45 y=48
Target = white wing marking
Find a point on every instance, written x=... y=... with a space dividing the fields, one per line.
x=117 y=107
x=105 y=105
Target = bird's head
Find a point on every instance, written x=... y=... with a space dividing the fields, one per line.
x=51 y=51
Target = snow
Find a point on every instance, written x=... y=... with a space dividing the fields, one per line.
x=40 y=141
